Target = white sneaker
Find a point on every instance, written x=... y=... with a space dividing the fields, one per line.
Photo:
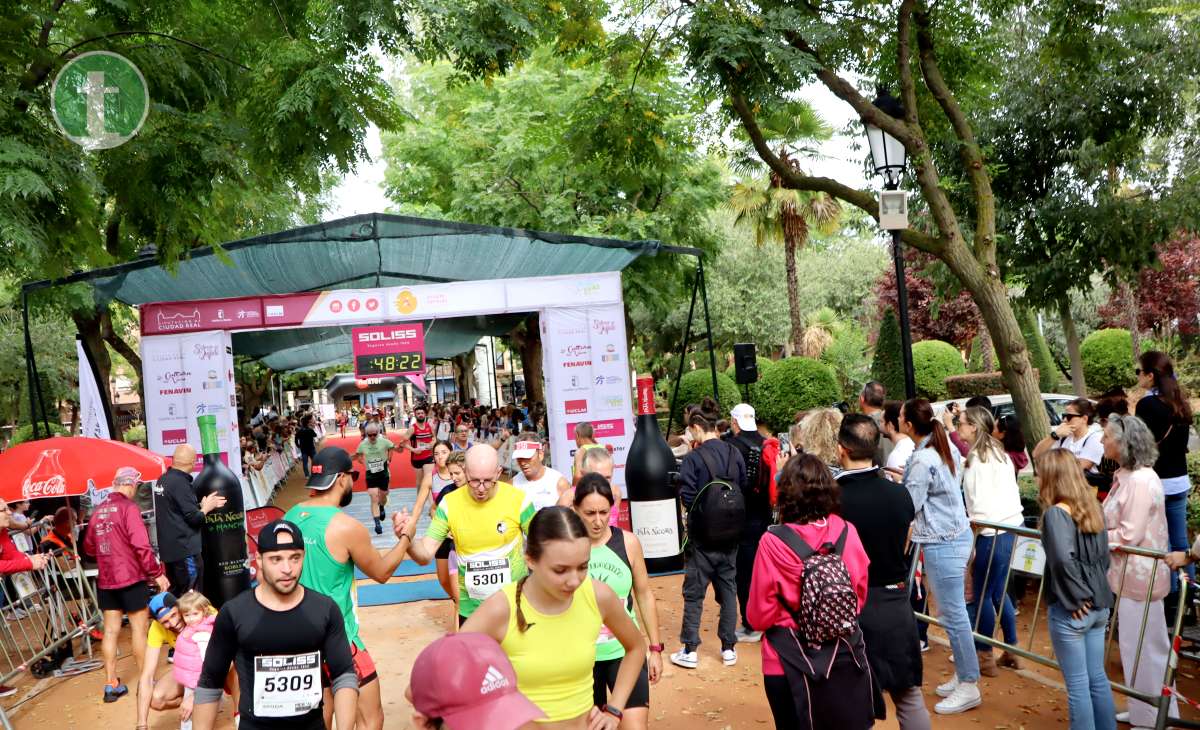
x=729 y=657
x=965 y=696
x=947 y=689
x=684 y=658
x=748 y=637
x=1123 y=717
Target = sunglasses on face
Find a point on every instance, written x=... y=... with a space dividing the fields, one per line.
x=353 y=474
x=1070 y=416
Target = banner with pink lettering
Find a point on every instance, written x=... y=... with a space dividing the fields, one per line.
x=586 y=363
x=186 y=376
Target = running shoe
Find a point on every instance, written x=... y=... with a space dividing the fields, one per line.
x=745 y=636
x=112 y=694
x=6 y=691
x=729 y=657
x=684 y=658
x=378 y=527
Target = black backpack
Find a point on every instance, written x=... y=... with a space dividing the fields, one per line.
x=758 y=476
x=717 y=517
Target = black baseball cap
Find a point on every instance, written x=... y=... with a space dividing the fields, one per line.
x=268 y=538
x=327 y=465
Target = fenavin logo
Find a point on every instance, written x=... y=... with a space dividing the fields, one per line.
x=99 y=100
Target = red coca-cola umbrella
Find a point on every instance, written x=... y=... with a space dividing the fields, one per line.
x=65 y=466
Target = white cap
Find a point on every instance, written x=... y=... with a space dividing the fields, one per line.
x=526 y=449
x=743 y=413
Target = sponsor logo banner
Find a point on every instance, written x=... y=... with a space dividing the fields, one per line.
x=608 y=428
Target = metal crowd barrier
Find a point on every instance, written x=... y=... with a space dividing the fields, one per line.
x=45 y=611
x=1161 y=700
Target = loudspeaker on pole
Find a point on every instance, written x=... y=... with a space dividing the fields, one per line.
x=745 y=364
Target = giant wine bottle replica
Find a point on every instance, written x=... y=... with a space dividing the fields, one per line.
x=653 y=501
x=224 y=538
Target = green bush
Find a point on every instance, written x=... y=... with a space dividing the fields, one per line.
x=764 y=364
x=888 y=366
x=847 y=356
x=933 y=362
x=696 y=384
x=135 y=434
x=24 y=433
x=793 y=385
x=1108 y=360
x=1039 y=351
x=970 y=384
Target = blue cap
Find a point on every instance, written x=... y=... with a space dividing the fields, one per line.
x=161 y=604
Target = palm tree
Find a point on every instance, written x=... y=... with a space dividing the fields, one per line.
x=779 y=214
x=818 y=332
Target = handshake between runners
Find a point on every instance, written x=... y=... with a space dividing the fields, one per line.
x=402 y=521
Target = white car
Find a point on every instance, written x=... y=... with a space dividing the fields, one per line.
x=1002 y=405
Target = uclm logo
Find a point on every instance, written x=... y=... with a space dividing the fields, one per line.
x=387 y=336
x=575 y=407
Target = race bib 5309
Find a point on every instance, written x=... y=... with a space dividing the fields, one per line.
x=287 y=685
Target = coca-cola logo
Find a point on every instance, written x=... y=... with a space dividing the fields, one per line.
x=52 y=486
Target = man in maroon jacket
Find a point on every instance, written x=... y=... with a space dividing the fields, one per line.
x=127 y=566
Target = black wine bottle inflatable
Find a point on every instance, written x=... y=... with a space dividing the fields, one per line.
x=224 y=538
x=653 y=500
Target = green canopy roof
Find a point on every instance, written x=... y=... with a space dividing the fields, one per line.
x=363 y=251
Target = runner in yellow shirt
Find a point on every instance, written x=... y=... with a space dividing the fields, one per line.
x=487 y=521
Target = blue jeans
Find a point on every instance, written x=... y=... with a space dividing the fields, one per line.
x=1079 y=648
x=994 y=595
x=946 y=567
x=1177 y=534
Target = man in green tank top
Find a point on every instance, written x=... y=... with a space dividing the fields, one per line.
x=335 y=544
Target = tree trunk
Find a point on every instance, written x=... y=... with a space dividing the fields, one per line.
x=992 y=298
x=1072 y=336
x=793 y=291
x=529 y=342
x=987 y=350
x=91 y=329
x=1131 y=315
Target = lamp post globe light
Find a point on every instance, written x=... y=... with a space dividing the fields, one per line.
x=889 y=159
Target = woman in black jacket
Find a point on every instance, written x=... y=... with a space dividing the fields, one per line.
x=1166 y=412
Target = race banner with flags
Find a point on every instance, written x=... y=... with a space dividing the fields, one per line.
x=93 y=422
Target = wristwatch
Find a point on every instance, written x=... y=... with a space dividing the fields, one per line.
x=657 y=648
x=610 y=709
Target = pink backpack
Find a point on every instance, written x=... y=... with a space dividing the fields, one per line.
x=828 y=604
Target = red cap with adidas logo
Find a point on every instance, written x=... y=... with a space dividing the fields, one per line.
x=466 y=680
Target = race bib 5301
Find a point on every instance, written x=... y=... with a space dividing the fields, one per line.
x=485 y=577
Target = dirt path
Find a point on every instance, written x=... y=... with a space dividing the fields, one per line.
x=712 y=696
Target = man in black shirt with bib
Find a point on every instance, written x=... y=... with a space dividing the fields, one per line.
x=282 y=639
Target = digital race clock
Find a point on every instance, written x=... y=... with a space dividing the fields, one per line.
x=394 y=349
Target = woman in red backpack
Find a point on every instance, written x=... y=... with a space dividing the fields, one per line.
x=809 y=585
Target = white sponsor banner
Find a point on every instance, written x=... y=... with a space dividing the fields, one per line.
x=92 y=420
x=184 y=377
x=585 y=358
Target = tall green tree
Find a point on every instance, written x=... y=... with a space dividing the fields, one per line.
x=604 y=146
x=943 y=59
x=781 y=215
x=253 y=108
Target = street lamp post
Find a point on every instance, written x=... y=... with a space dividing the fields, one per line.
x=889 y=159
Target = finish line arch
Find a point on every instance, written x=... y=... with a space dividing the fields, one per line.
x=187 y=352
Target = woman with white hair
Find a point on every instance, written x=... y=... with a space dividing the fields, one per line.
x=1135 y=515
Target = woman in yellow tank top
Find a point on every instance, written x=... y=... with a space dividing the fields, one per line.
x=548 y=622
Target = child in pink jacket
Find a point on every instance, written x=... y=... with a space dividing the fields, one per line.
x=198 y=617
x=809 y=686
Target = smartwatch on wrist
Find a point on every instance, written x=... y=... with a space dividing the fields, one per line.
x=657 y=648
x=612 y=710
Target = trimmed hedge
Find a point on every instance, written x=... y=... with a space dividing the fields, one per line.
x=1108 y=360
x=24 y=433
x=1039 y=351
x=933 y=362
x=971 y=384
x=793 y=385
x=887 y=366
x=696 y=385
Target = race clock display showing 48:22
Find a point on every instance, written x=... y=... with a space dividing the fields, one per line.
x=395 y=363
